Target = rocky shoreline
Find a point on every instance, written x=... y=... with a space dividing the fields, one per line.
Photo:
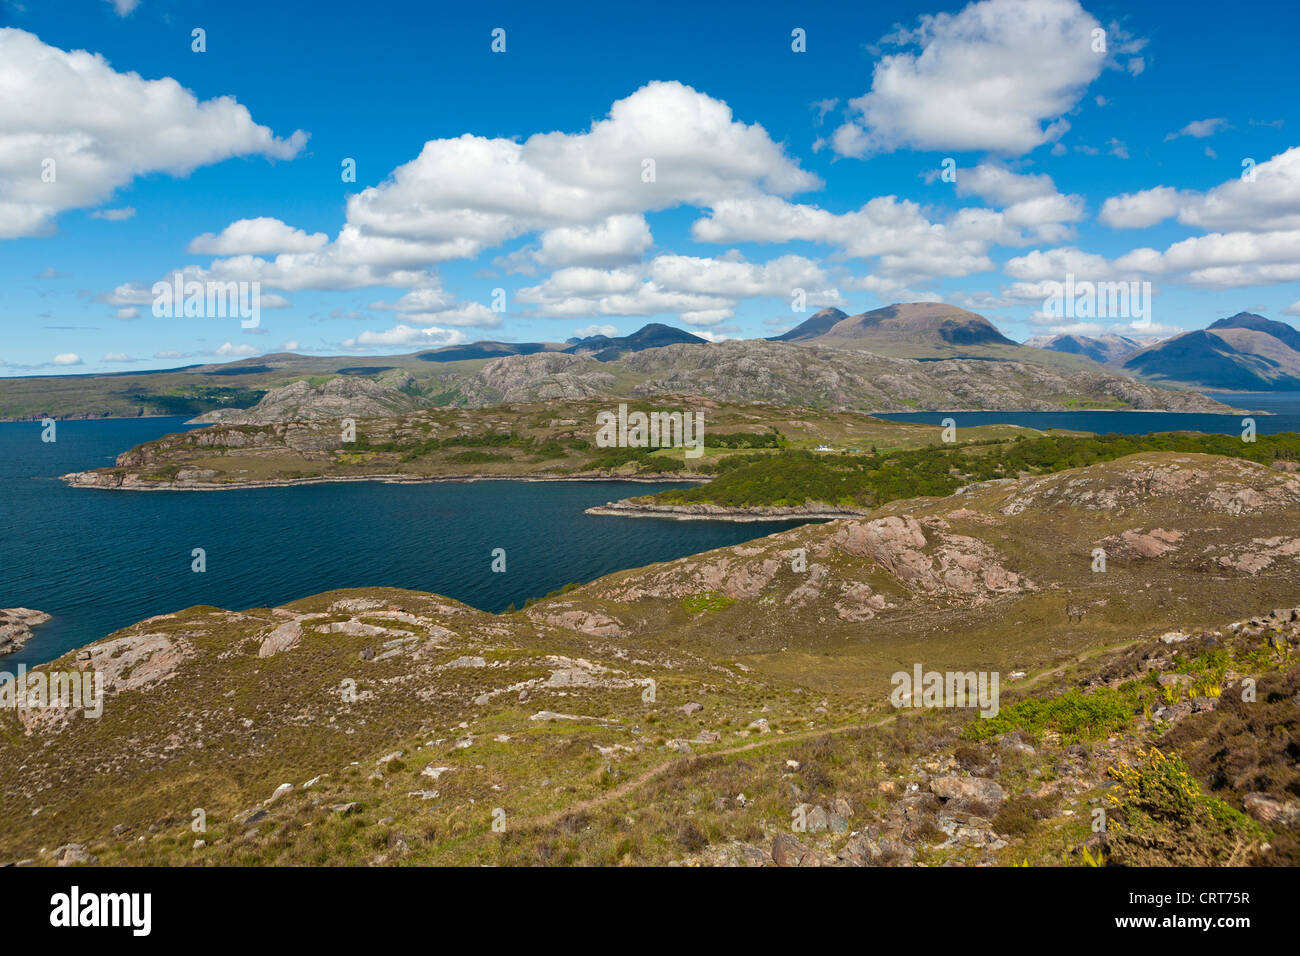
x=16 y=624
x=637 y=508
x=128 y=482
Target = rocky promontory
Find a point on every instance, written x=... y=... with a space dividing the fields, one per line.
x=645 y=507
x=16 y=625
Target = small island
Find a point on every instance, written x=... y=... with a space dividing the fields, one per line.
x=16 y=624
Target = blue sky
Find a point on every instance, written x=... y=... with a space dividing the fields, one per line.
x=524 y=171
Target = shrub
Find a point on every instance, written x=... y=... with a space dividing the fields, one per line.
x=1159 y=817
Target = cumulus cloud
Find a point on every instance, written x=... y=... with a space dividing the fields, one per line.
x=1265 y=199
x=701 y=291
x=903 y=244
x=404 y=335
x=238 y=351
x=998 y=76
x=1141 y=209
x=491 y=190
x=111 y=128
x=257 y=236
x=613 y=241
x=66 y=358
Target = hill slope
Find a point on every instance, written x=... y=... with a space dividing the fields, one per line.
x=622 y=721
x=1245 y=352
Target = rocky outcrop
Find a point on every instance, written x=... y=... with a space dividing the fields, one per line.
x=16 y=625
x=344 y=396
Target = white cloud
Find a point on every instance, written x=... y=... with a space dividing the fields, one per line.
x=700 y=291
x=611 y=242
x=606 y=330
x=583 y=193
x=433 y=305
x=1141 y=209
x=987 y=78
x=66 y=358
x=119 y=357
x=257 y=236
x=403 y=335
x=1046 y=265
x=1199 y=129
x=491 y=190
x=112 y=127
x=124 y=7
x=229 y=348
x=906 y=246
x=1265 y=202
x=114 y=215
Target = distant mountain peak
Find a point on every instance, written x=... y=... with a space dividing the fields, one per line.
x=650 y=336
x=818 y=323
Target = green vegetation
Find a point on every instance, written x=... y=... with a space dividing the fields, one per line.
x=1159 y=816
x=196 y=399
x=1074 y=716
x=791 y=478
x=706 y=601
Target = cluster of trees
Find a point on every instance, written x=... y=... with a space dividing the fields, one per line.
x=411 y=451
x=745 y=440
x=791 y=478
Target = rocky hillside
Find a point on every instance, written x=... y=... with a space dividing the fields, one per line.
x=342 y=396
x=732 y=707
x=814 y=376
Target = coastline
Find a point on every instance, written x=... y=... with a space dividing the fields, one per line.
x=628 y=508
x=70 y=479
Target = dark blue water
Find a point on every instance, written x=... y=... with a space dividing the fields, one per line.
x=101 y=560
x=1284 y=406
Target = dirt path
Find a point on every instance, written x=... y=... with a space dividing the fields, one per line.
x=691 y=760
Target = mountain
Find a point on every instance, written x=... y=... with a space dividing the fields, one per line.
x=857 y=348
x=1284 y=333
x=813 y=375
x=818 y=324
x=1244 y=352
x=1103 y=349
x=482 y=350
x=929 y=323
x=927 y=331
x=605 y=348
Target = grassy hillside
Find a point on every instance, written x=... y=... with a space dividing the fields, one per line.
x=695 y=711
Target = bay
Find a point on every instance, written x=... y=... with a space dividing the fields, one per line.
x=1283 y=410
x=101 y=560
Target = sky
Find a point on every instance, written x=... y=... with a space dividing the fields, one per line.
x=536 y=172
